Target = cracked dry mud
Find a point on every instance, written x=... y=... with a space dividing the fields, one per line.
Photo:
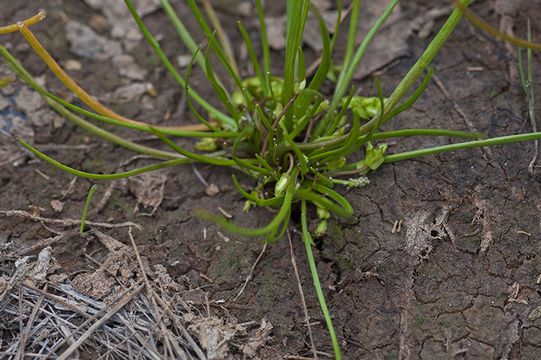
x=460 y=280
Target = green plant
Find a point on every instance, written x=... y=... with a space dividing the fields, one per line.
x=85 y=209
x=294 y=142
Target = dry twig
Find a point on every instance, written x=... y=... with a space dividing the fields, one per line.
x=301 y=293
x=251 y=273
x=67 y=222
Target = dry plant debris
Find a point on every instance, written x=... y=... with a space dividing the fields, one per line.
x=107 y=312
x=148 y=188
x=65 y=222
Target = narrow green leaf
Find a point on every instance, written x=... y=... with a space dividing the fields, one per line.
x=265 y=48
x=88 y=175
x=307 y=239
x=253 y=58
x=303 y=101
x=413 y=98
x=352 y=36
x=272 y=202
x=338 y=22
x=157 y=49
x=81 y=229
x=218 y=88
x=344 y=81
x=380 y=113
x=421 y=64
x=344 y=149
x=334 y=119
x=188 y=154
x=244 y=163
x=301 y=66
x=215 y=46
x=465 y=145
x=296 y=19
x=183 y=32
x=187 y=92
x=263 y=231
x=343 y=209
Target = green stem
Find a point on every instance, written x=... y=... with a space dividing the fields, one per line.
x=88 y=175
x=86 y=207
x=157 y=49
x=191 y=155
x=421 y=64
x=253 y=56
x=266 y=230
x=383 y=135
x=109 y=136
x=296 y=19
x=343 y=210
x=346 y=76
x=264 y=48
x=353 y=24
x=222 y=36
x=143 y=127
x=29 y=79
x=182 y=32
x=272 y=202
x=307 y=238
x=426 y=132
x=465 y=145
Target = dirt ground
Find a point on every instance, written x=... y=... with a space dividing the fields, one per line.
x=460 y=278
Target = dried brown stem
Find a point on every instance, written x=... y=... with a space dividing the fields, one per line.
x=301 y=294
x=67 y=222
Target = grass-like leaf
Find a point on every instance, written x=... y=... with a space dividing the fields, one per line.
x=121 y=175
x=157 y=49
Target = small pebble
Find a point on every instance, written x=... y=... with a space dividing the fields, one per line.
x=212 y=190
x=73 y=65
x=57 y=205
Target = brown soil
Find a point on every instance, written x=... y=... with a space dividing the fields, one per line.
x=460 y=280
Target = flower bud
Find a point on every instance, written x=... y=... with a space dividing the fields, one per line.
x=323 y=213
x=247 y=205
x=206 y=144
x=321 y=228
x=281 y=184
